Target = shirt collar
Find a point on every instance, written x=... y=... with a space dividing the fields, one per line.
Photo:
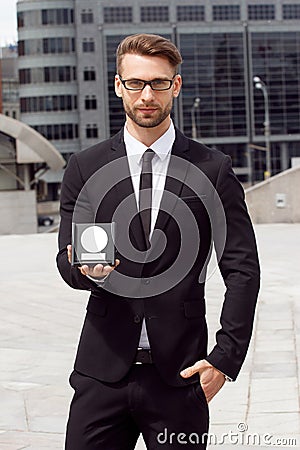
x=162 y=147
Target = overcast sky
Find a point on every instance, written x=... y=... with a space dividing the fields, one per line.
x=8 y=22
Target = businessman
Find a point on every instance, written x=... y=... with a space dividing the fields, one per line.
x=142 y=364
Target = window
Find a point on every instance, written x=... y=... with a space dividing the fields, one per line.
x=58 y=45
x=61 y=16
x=27 y=19
x=48 y=16
x=88 y=45
x=59 y=74
x=30 y=47
x=49 y=74
x=91 y=131
x=87 y=16
x=21 y=48
x=261 y=12
x=154 y=14
x=58 y=132
x=117 y=14
x=25 y=76
x=20 y=19
x=10 y=91
x=226 y=12
x=291 y=11
x=90 y=102
x=55 y=74
x=37 y=75
x=48 y=103
x=189 y=13
x=89 y=74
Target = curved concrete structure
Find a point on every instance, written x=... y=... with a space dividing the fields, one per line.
x=31 y=147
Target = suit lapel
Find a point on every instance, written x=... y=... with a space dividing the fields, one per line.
x=124 y=189
x=176 y=175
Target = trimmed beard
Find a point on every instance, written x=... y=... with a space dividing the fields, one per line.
x=149 y=122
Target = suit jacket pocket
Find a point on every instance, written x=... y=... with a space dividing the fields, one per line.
x=193 y=198
x=195 y=203
x=194 y=309
x=96 y=306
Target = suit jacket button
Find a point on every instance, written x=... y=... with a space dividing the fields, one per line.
x=137 y=318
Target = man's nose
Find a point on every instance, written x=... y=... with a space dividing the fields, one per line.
x=147 y=92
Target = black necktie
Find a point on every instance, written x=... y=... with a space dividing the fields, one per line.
x=145 y=196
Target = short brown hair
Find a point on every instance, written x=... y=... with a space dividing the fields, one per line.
x=148 y=45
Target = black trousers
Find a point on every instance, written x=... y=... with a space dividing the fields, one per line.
x=111 y=416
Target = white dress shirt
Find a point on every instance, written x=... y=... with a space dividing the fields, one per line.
x=160 y=162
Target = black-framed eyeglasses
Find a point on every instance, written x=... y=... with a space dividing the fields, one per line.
x=135 y=84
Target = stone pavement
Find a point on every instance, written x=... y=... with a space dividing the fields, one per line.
x=40 y=321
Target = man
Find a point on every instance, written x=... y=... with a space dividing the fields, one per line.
x=143 y=343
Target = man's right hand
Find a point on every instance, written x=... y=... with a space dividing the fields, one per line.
x=97 y=271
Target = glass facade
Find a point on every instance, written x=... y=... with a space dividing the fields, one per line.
x=213 y=70
x=276 y=60
x=116 y=113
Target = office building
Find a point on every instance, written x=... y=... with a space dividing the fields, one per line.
x=9 y=82
x=67 y=66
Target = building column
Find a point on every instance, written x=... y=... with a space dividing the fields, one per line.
x=26 y=177
x=284 y=156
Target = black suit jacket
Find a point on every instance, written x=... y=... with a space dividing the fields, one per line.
x=175 y=317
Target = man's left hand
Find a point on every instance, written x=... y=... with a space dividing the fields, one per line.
x=211 y=379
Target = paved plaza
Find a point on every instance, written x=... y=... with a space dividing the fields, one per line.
x=40 y=322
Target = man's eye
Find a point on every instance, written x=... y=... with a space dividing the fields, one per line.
x=160 y=83
x=135 y=83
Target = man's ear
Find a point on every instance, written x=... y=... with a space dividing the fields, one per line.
x=118 y=86
x=177 y=85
